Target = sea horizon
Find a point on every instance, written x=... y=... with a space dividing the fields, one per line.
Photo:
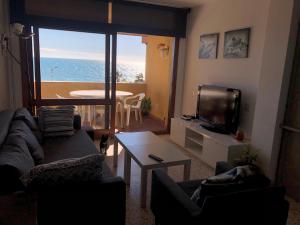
x=85 y=70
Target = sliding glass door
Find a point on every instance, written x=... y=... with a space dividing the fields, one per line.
x=76 y=68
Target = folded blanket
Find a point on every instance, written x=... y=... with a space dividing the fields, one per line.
x=234 y=175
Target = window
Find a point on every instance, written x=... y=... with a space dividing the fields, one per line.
x=70 y=61
x=131 y=59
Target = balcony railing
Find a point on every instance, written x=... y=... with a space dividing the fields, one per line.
x=50 y=89
x=91 y=115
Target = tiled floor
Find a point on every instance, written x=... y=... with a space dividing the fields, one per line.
x=148 y=124
x=138 y=216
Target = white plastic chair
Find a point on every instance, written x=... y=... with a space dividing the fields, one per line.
x=134 y=103
x=119 y=114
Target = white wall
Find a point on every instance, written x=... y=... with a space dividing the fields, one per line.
x=263 y=77
x=220 y=16
x=4 y=90
x=275 y=75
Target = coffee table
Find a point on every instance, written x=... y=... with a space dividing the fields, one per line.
x=138 y=145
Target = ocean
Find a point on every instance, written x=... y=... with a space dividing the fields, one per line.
x=82 y=70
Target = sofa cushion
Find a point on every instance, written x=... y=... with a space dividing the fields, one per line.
x=64 y=172
x=15 y=160
x=57 y=121
x=19 y=128
x=24 y=115
x=76 y=146
x=6 y=117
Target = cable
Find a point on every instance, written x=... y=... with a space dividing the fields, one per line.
x=14 y=57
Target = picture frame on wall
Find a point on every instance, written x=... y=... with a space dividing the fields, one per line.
x=236 y=43
x=209 y=46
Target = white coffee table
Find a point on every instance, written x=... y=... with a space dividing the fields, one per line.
x=138 y=146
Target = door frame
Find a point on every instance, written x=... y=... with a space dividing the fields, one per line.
x=172 y=95
x=31 y=101
x=296 y=61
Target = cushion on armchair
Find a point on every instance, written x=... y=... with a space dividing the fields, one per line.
x=64 y=172
x=237 y=179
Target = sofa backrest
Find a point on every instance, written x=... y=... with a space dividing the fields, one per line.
x=257 y=206
x=6 y=117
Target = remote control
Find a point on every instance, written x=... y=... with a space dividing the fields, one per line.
x=156 y=158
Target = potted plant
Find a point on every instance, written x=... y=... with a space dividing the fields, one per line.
x=248 y=157
x=146 y=106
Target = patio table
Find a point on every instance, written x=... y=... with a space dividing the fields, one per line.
x=98 y=94
x=120 y=95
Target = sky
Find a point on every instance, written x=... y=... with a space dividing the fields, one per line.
x=79 y=45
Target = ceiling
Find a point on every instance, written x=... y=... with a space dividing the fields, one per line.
x=174 y=3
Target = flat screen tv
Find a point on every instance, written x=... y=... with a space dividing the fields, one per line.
x=219 y=108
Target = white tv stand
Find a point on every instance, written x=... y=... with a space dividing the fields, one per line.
x=208 y=146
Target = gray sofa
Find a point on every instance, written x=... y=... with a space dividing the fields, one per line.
x=94 y=202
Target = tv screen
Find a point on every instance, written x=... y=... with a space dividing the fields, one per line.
x=219 y=108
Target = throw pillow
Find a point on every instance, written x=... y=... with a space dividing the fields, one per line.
x=206 y=190
x=237 y=179
x=24 y=115
x=21 y=129
x=57 y=121
x=15 y=160
x=64 y=172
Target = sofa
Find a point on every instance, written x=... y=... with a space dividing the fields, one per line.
x=259 y=204
x=100 y=201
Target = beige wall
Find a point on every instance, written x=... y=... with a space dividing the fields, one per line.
x=50 y=89
x=158 y=73
x=4 y=90
x=221 y=16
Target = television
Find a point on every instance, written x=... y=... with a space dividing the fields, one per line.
x=218 y=108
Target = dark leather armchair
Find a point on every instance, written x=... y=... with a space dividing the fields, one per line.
x=171 y=204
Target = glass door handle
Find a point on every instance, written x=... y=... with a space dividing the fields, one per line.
x=289 y=128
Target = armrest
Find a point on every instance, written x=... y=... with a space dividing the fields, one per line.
x=222 y=167
x=130 y=98
x=93 y=202
x=17 y=205
x=169 y=203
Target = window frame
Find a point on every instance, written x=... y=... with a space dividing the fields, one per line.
x=33 y=65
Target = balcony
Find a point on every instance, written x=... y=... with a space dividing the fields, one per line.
x=78 y=63
x=94 y=115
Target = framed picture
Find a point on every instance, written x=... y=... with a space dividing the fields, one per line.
x=236 y=43
x=209 y=46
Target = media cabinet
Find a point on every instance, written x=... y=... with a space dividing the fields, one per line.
x=208 y=146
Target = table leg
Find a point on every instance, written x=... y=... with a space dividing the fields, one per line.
x=144 y=179
x=90 y=115
x=115 y=157
x=122 y=115
x=186 y=171
x=127 y=168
